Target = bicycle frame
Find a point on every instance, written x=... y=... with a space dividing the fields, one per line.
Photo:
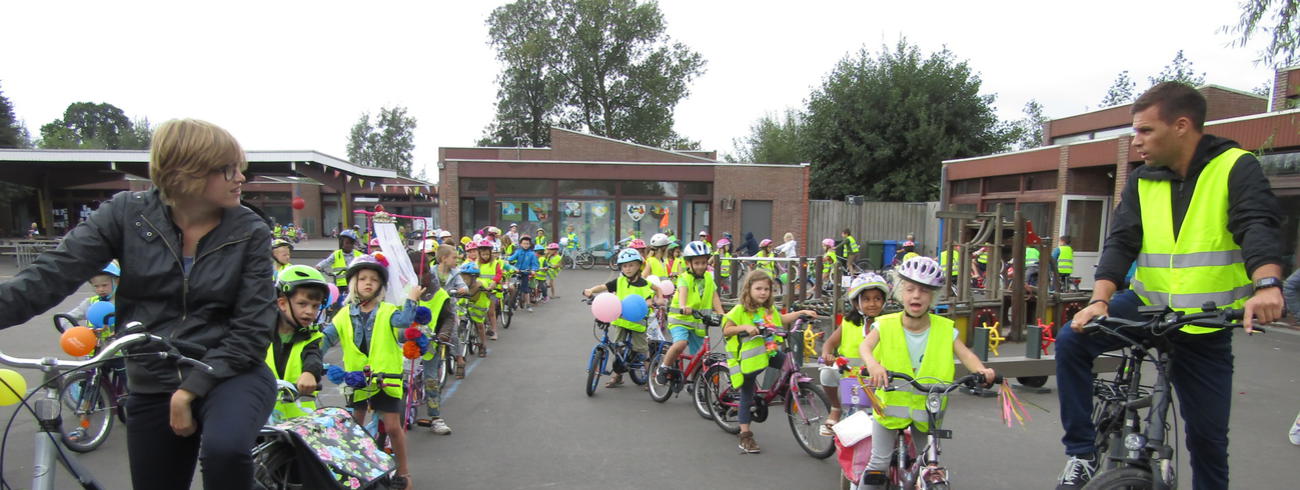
x=787 y=383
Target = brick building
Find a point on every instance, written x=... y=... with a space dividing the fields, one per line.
x=606 y=188
x=1071 y=185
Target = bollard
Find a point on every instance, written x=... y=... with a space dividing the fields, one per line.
x=1034 y=342
x=979 y=343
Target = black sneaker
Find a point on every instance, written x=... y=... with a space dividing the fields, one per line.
x=661 y=375
x=1078 y=471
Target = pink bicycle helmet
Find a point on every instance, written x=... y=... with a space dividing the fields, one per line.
x=484 y=244
x=827 y=242
x=922 y=270
x=637 y=243
x=553 y=246
x=722 y=243
x=909 y=243
x=765 y=242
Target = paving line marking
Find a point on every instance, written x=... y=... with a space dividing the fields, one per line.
x=451 y=390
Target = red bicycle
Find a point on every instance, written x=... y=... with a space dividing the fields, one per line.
x=688 y=378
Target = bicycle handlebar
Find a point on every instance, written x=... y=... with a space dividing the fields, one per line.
x=178 y=349
x=1163 y=320
x=942 y=388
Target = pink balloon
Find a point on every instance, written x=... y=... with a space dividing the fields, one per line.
x=667 y=287
x=606 y=307
x=652 y=279
x=334 y=293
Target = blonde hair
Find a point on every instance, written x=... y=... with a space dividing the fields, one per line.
x=754 y=276
x=185 y=151
x=901 y=284
x=788 y=236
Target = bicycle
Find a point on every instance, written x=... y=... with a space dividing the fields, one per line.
x=806 y=405
x=1131 y=455
x=621 y=353
x=689 y=376
x=467 y=332
x=505 y=306
x=583 y=259
x=94 y=396
x=47 y=449
x=381 y=381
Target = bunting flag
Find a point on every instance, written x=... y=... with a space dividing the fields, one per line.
x=383 y=187
x=349 y=178
x=336 y=174
x=372 y=185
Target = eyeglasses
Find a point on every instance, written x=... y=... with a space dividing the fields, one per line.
x=229 y=171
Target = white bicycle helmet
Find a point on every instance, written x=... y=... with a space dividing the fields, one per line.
x=922 y=270
x=865 y=281
x=659 y=240
x=695 y=249
x=628 y=255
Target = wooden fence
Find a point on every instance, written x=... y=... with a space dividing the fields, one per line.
x=874 y=221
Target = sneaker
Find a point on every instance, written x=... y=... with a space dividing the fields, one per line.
x=440 y=427
x=1295 y=431
x=661 y=375
x=400 y=482
x=530 y=308
x=1078 y=471
x=747 y=444
x=492 y=335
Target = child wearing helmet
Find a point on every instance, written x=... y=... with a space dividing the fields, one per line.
x=749 y=356
x=722 y=250
x=916 y=342
x=493 y=273
x=851 y=249
x=294 y=354
x=370 y=332
x=654 y=261
x=477 y=300
x=676 y=265
x=439 y=283
x=551 y=264
x=104 y=285
x=765 y=251
x=866 y=300
x=525 y=260
x=695 y=291
x=829 y=260
x=336 y=264
x=630 y=282
x=281 y=252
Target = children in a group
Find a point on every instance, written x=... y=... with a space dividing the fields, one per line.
x=370 y=332
x=295 y=351
x=445 y=274
x=629 y=283
x=748 y=357
x=336 y=263
x=765 y=251
x=491 y=272
x=654 y=262
x=695 y=291
x=442 y=325
x=866 y=300
x=915 y=342
x=281 y=251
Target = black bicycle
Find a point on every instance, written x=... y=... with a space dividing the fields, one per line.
x=93 y=396
x=1135 y=448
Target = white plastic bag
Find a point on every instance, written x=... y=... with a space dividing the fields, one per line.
x=854 y=428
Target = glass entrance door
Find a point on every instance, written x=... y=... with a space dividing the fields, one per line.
x=1085 y=220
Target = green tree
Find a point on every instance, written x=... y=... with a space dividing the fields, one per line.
x=1120 y=91
x=87 y=125
x=1275 y=19
x=1179 y=70
x=881 y=126
x=385 y=144
x=1029 y=130
x=774 y=139
x=13 y=133
x=607 y=67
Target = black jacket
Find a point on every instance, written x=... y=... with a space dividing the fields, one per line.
x=1254 y=218
x=225 y=303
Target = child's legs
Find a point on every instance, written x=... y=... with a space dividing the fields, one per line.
x=830 y=378
x=747 y=400
x=681 y=336
x=432 y=391
x=396 y=437
x=883 y=441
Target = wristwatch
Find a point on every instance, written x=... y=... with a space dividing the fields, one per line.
x=1268 y=282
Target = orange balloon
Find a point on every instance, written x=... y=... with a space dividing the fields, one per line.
x=78 y=341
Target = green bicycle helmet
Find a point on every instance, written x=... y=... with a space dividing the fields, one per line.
x=279 y=242
x=297 y=276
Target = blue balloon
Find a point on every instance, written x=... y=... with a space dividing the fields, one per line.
x=96 y=313
x=634 y=308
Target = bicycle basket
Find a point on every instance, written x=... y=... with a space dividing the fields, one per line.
x=335 y=452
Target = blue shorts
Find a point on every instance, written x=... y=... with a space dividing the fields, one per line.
x=694 y=342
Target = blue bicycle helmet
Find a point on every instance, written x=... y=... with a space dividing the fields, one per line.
x=112 y=270
x=628 y=255
x=350 y=234
x=469 y=268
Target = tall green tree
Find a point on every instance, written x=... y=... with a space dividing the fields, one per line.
x=774 y=139
x=1179 y=70
x=87 y=125
x=1121 y=91
x=13 y=133
x=603 y=66
x=1029 y=130
x=1276 y=19
x=881 y=125
x=385 y=144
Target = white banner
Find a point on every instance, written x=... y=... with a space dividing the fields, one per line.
x=400 y=273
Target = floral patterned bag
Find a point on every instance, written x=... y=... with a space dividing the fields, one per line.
x=345 y=450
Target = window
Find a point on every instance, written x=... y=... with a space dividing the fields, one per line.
x=1280 y=163
x=1002 y=183
x=592 y=221
x=968 y=186
x=647 y=217
x=649 y=188
x=474 y=185
x=696 y=188
x=527 y=187
x=1040 y=181
x=529 y=215
x=1040 y=214
x=587 y=187
x=1083 y=224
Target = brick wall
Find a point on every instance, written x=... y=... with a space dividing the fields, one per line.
x=309 y=217
x=449 y=194
x=1121 y=168
x=786 y=187
x=1224 y=104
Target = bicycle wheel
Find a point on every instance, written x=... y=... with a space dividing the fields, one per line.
x=700 y=395
x=1130 y=477
x=636 y=365
x=659 y=392
x=273 y=463
x=721 y=398
x=586 y=261
x=595 y=365
x=506 y=310
x=446 y=367
x=465 y=336
x=613 y=261
x=806 y=413
x=89 y=400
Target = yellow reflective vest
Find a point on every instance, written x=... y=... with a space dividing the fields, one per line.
x=750 y=355
x=385 y=355
x=626 y=289
x=435 y=305
x=1065 y=260
x=851 y=336
x=699 y=297
x=956 y=263
x=340 y=267
x=292 y=371
x=906 y=405
x=1203 y=263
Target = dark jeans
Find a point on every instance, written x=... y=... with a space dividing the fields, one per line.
x=228 y=420
x=1200 y=369
x=751 y=385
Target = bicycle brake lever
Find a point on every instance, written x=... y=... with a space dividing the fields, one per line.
x=196 y=364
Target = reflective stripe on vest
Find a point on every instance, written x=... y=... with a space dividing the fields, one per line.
x=1031 y=257
x=726 y=266
x=1065 y=261
x=699 y=297
x=385 y=354
x=1203 y=263
x=751 y=355
x=828 y=261
x=906 y=405
x=340 y=267
x=292 y=370
x=624 y=290
x=853 y=244
x=956 y=263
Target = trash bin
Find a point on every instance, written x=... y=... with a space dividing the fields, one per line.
x=876 y=253
x=887 y=255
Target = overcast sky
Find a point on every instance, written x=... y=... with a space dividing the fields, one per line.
x=297 y=75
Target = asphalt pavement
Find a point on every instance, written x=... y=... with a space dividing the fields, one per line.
x=521 y=420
